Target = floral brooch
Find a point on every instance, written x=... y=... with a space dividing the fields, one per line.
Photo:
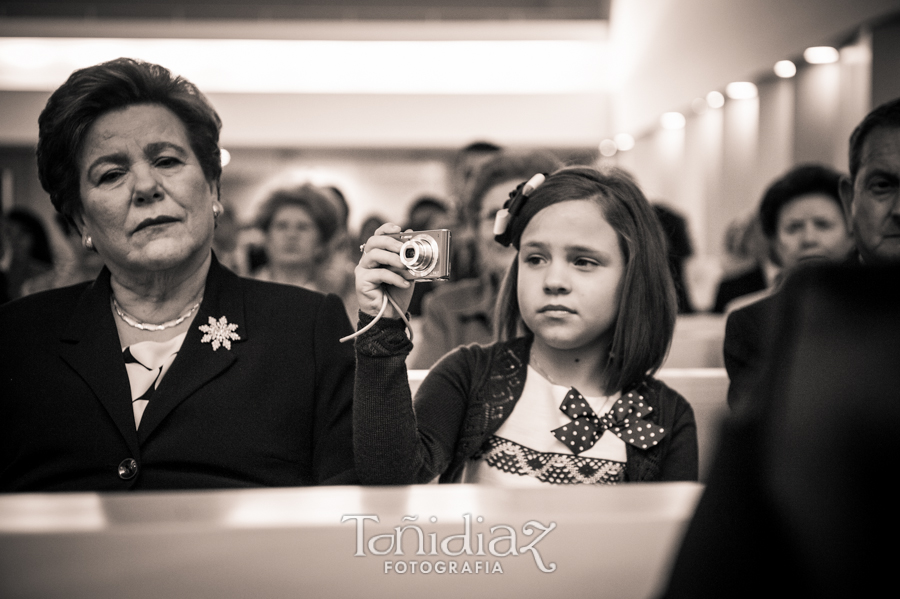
x=219 y=332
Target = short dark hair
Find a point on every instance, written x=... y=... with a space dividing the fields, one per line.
x=504 y=167
x=35 y=229
x=90 y=93
x=647 y=303
x=886 y=115
x=343 y=206
x=422 y=212
x=799 y=181
x=318 y=202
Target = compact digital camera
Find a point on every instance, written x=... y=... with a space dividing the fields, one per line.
x=426 y=254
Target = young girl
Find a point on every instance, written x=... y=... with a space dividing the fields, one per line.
x=565 y=394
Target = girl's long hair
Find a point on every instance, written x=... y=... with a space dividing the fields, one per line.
x=647 y=302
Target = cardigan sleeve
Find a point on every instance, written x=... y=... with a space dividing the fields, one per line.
x=680 y=461
x=395 y=443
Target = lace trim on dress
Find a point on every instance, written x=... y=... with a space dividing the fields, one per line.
x=553 y=468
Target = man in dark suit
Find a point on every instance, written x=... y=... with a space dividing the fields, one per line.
x=794 y=503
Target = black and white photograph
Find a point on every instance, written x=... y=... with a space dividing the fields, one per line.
x=468 y=298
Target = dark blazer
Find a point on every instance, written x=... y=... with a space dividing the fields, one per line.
x=275 y=409
x=796 y=499
x=739 y=286
x=748 y=337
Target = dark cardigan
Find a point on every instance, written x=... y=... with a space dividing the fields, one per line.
x=464 y=400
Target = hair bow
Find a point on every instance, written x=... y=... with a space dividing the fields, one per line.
x=512 y=207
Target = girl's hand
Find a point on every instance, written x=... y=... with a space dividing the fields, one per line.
x=380 y=265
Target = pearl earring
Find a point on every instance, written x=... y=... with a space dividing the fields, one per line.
x=88 y=242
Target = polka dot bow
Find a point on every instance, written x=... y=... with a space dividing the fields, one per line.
x=626 y=419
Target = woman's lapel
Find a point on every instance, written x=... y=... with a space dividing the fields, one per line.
x=90 y=345
x=197 y=362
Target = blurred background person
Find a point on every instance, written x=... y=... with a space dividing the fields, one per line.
x=802 y=218
x=345 y=246
x=301 y=224
x=368 y=227
x=5 y=258
x=680 y=248
x=29 y=250
x=427 y=212
x=466 y=163
x=747 y=267
x=81 y=264
x=227 y=243
x=461 y=312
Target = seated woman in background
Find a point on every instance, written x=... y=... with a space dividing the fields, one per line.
x=678 y=241
x=746 y=264
x=80 y=265
x=461 y=312
x=803 y=220
x=28 y=248
x=301 y=223
x=586 y=311
x=168 y=371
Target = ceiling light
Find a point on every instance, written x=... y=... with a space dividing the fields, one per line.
x=741 y=90
x=608 y=148
x=821 y=55
x=325 y=66
x=672 y=120
x=785 y=69
x=624 y=141
x=715 y=100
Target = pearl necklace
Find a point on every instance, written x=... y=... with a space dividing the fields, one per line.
x=145 y=326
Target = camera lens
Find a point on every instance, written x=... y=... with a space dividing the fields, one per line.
x=419 y=255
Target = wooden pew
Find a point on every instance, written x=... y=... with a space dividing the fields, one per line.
x=589 y=541
x=697 y=342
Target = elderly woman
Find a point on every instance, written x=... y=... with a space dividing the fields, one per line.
x=301 y=223
x=803 y=220
x=168 y=371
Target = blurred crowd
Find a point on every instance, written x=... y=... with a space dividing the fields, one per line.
x=300 y=235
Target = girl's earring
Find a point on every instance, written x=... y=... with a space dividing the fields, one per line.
x=87 y=242
x=215 y=212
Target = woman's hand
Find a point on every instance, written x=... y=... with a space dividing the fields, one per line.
x=380 y=265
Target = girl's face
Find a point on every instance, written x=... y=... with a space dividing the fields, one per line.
x=570 y=272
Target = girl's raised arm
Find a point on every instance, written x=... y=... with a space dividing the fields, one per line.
x=388 y=444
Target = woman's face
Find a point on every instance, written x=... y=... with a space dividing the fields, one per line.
x=811 y=227
x=494 y=257
x=145 y=200
x=293 y=238
x=570 y=272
